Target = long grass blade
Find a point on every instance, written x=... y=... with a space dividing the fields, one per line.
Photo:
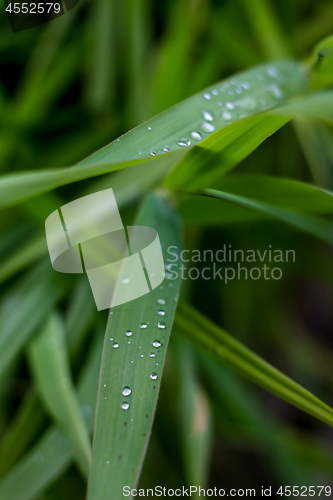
x=133 y=357
x=173 y=130
x=51 y=371
x=316 y=226
x=17 y=323
x=51 y=456
x=238 y=357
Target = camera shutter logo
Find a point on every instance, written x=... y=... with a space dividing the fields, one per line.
x=87 y=235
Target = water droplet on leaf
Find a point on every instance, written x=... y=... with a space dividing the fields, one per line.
x=126 y=391
x=208 y=116
x=196 y=136
x=184 y=142
x=207 y=127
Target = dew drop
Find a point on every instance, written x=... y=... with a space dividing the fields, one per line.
x=230 y=105
x=149 y=128
x=166 y=148
x=139 y=152
x=208 y=116
x=152 y=355
x=184 y=142
x=239 y=91
x=246 y=85
x=275 y=89
x=153 y=152
x=157 y=343
x=215 y=92
x=207 y=127
x=153 y=376
x=169 y=276
x=125 y=280
x=272 y=71
x=104 y=385
x=143 y=326
x=226 y=116
x=196 y=136
x=125 y=406
x=141 y=355
x=161 y=312
x=161 y=302
x=111 y=338
x=161 y=325
x=129 y=333
x=107 y=462
x=115 y=345
x=207 y=96
x=126 y=391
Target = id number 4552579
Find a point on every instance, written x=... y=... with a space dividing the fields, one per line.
x=304 y=491
x=33 y=8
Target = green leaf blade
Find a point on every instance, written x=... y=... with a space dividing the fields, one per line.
x=50 y=364
x=264 y=87
x=121 y=435
x=51 y=455
x=238 y=357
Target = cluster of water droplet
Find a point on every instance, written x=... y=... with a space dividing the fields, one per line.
x=126 y=391
x=231 y=100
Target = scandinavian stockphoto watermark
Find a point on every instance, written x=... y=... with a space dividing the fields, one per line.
x=236 y=263
x=259 y=492
x=122 y=263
